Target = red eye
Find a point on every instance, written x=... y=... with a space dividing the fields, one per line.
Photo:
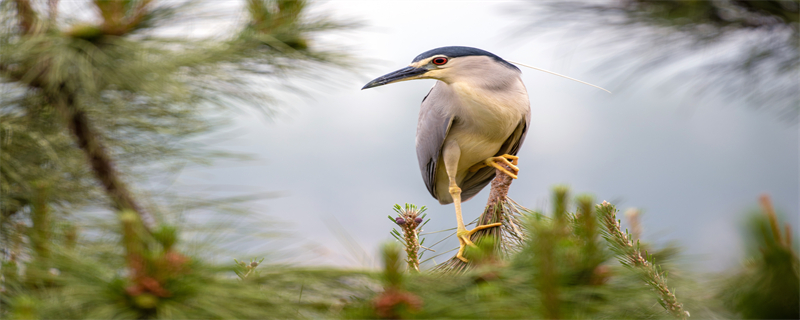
x=439 y=61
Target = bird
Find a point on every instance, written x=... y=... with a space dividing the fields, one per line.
x=472 y=122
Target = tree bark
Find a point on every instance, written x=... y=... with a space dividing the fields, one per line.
x=498 y=192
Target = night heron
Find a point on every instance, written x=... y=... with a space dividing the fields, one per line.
x=472 y=122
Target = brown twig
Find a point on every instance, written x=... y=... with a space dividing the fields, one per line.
x=498 y=193
x=53 y=10
x=116 y=21
x=26 y=15
x=495 y=210
x=769 y=211
x=766 y=204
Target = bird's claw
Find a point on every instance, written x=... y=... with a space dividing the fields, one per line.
x=514 y=159
x=464 y=235
x=494 y=162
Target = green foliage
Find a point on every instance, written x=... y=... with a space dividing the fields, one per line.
x=768 y=286
x=36 y=154
x=562 y=270
x=245 y=269
x=392 y=273
x=88 y=108
x=132 y=101
x=630 y=256
x=149 y=279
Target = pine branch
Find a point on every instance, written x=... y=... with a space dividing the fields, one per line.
x=629 y=255
x=86 y=137
x=410 y=219
x=100 y=161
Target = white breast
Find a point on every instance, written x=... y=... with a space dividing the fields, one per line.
x=484 y=121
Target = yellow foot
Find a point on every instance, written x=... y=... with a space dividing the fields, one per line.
x=464 y=235
x=495 y=163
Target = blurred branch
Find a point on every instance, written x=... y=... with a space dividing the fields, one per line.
x=767 y=286
x=547 y=240
x=52 y=7
x=86 y=138
x=740 y=48
x=394 y=302
x=127 y=100
x=100 y=161
x=766 y=205
x=26 y=16
x=120 y=17
x=630 y=256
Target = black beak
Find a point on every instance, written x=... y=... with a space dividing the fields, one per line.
x=398 y=75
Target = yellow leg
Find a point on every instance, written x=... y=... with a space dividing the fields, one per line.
x=495 y=163
x=461 y=231
x=464 y=238
x=451 y=153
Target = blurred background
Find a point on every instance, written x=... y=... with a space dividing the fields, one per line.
x=692 y=161
x=158 y=157
x=701 y=122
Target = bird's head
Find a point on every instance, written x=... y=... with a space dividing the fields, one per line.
x=448 y=64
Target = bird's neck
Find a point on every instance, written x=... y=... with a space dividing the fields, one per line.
x=489 y=107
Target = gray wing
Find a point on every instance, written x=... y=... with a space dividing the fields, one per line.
x=432 y=128
x=474 y=183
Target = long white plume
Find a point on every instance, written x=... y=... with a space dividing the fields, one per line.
x=560 y=75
